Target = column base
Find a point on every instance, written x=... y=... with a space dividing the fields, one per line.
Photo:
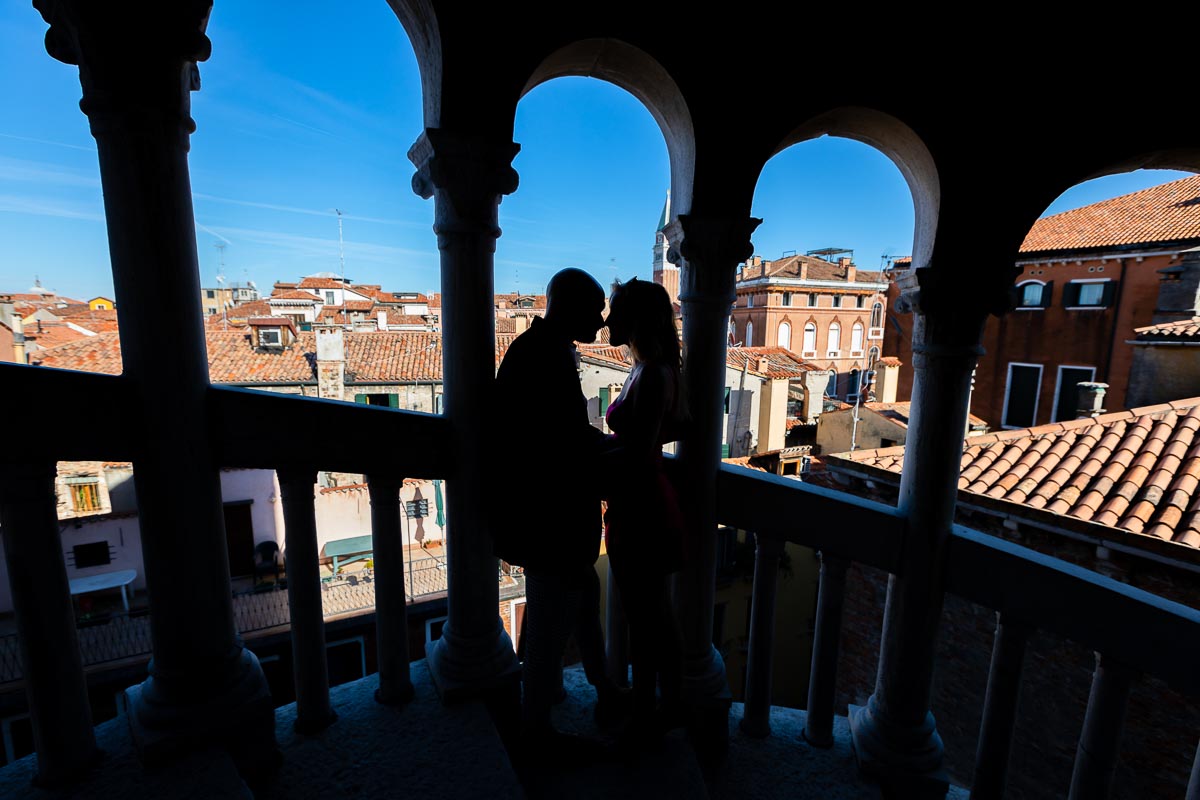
x=457 y=678
x=706 y=691
x=906 y=762
x=239 y=718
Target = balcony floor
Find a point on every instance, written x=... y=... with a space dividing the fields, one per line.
x=426 y=749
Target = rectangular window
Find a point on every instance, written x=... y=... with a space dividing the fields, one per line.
x=329 y=298
x=787 y=298
x=812 y=300
x=1089 y=294
x=210 y=294
x=85 y=493
x=416 y=509
x=749 y=301
x=837 y=301
x=269 y=337
x=860 y=302
x=1066 y=395
x=1021 y=395
x=92 y=554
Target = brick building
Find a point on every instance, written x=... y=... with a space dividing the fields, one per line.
x=1116 y=494
x=1088 y=278
x=828 y=313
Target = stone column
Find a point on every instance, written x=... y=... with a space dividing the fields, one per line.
x=137 y=67
x=310 y=665
x=709 y=251
x=895 y=737
x=50 y=661
x=391 y=604
x=466 y=176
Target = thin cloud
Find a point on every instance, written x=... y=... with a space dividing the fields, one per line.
x=307 y=211
x=313 y=246
x=47 y=141
x=213 y=233
x=21 y=170
x=46 y=208
x=299 y=124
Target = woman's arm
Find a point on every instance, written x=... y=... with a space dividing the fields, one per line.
x=646 y=408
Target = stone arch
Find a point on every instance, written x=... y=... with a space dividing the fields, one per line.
x=630 y=68
x=419 y=21
x=902 y=145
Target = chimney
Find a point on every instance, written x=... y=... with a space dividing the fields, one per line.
x=815 y=381
x=520 y=324
x=10 y=319
x=1091 y=399
x=1179 y=289
x=763 y=364
x=803 y=270
x=381 y=317
x=331 y=362
x=887 y=376
x=849 y=267
x=772 y=415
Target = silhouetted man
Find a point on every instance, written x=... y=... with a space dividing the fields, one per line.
x=550 y=519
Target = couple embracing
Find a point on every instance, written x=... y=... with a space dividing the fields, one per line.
x=569 y=465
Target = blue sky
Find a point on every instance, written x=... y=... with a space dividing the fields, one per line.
x=304 y=112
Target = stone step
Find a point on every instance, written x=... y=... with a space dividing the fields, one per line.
x=422 y=749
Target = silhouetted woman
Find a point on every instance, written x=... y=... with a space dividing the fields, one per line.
x=643 y=524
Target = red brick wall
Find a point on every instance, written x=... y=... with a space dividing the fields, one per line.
x=1161 y=730
x=1053 y=336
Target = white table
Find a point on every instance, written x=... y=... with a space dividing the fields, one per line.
x=105 y=580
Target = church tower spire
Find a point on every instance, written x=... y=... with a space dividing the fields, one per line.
x=665 y=273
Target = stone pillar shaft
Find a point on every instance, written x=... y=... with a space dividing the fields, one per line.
x=999 y=710
x=310 y=668
x=895 y=736
x=757 y=719
x=1100 y=739
x=203 y=684
x=466 y=177
x=709 y=251
x=391 y=603
x=50 y=659
x=822 y=681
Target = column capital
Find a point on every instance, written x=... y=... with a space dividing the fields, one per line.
x=927 y=290
x=473 y=173
x=136 y=65
x=709 y=248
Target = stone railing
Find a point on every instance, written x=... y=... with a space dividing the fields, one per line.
x=1131 y=631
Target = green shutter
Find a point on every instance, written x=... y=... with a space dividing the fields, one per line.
x=1071 y=295
x=1110 y=292
x=724 y=451
x=727 y=397
x=393 y=401
x=605 y=397
x=361 y=398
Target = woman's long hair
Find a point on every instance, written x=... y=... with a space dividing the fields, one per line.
x=652 y=335
x=651 y=320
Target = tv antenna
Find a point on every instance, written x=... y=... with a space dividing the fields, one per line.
x=341 y=244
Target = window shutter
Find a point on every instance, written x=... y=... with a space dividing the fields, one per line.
x=605 y=398
x=724 y=451
x=1110 y=292
x=1070 y=295
x=393 y=401
x=360 y=398
x=1047 y=294
x=726 y=399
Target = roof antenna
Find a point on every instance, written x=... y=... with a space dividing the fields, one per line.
x=341 y=245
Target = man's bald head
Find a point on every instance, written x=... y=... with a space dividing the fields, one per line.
x=575 y=304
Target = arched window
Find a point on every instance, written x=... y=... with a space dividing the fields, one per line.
x=856 y=338
x=831 y=386
x=835 y=337
x=749 y=334
x=810 y=337
x=1033 y=294
x=877 y=315
x=872 y=357
x=785 y=336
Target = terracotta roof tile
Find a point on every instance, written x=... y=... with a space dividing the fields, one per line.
x=293 y=294
x=818 y=270
x=1137 y=470
x=780 y=362
x=1161 y=214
